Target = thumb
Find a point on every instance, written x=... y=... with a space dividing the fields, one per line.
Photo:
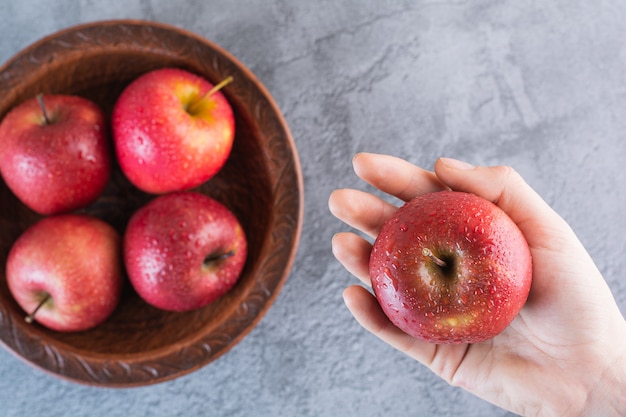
x=503 y=186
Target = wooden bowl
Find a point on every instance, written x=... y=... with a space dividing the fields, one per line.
x=261 y=183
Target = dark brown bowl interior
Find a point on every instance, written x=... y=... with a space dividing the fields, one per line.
x=261 y=183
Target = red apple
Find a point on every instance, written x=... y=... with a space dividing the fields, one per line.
x=172 y=130
x=183 y=250
x=54 y=153
x=66 y=272
x=451 y=267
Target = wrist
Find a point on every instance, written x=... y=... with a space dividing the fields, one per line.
x=606 y=396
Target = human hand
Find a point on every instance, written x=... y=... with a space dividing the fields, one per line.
x=564 y=354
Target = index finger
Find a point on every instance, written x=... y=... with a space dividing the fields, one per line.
x=395 y=176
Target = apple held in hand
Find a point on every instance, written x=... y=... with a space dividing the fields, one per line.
x=66 y=272
x=451 y=267
x=172 y=129
x=183 y=250
x=54 y=154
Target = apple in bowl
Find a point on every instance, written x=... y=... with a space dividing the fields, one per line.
x=172 y=130
x=54 y=152
x=65 y=272
x=183 y=250
x=451 y=267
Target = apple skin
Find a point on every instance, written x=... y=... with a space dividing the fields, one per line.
x=481 y=289
x=168 y=136
x=74 y=258
x=166 y=245
x=60 y=166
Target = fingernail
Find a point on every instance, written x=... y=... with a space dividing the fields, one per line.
x=456 y=164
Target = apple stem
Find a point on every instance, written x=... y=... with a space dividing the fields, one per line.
x=219 y=86
x=219 y=256
x=215 y=89
x=29 y=319
x=429 y=254
x=43 y=108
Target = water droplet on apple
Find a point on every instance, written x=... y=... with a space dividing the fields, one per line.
x=403 y=228
x=387 y=273
x=393 y=307
x=462 y=299
x=87 y=157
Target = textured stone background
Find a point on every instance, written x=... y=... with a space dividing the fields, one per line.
x=537 y=85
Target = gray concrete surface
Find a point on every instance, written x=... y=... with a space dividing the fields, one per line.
x=536 y=85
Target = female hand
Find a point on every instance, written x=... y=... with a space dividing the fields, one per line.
x=564 y=354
